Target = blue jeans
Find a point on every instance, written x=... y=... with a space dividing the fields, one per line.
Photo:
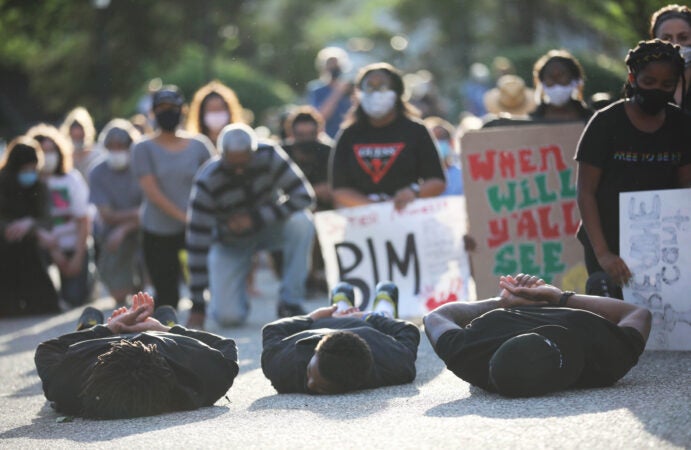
x=230 y=263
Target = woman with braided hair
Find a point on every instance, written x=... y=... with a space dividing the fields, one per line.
x=672 y=23
x=639 y=143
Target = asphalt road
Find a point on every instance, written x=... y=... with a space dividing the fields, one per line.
x=650 y=407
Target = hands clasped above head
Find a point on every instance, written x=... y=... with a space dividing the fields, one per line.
x=137 y=318
x=524 y=289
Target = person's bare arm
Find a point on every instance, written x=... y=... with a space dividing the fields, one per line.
x=113 y=217
x=453 y=316
x=348 y=197
x=587 y=182
x=155 y=195
x=684 y=176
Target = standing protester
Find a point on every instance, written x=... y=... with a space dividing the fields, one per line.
x=165 y=165
x=535 y=339
x=672 y=23
x=383 y=153
x=25 y=286
x=639 y=143
x=213 y=106
x=117 y=195
x=250 y=198
x=330 y=94
x=69 y=197
x=559 y=79
x=78 y=127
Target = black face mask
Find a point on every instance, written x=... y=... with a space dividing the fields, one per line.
x=168 y=119
x=652 y=101
x=335 y=73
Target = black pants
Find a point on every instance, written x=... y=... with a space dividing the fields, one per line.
x=163 y=263
x=593 y=266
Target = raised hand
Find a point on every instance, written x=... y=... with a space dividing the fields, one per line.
x=350 y=312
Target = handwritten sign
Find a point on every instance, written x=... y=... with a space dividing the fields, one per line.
x=419 y=248
x=521 y=200
x=655 y=242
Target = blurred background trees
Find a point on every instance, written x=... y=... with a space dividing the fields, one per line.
x=102 y=53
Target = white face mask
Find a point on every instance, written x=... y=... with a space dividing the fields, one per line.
x=559 y=95
x=216 y=120
x=118 y=160
x=378 y=104
x=50 y=162
x=685 y=52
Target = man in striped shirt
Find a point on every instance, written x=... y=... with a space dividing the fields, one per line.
x=252 y=197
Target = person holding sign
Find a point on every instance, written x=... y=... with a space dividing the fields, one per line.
x=535 y=339
x=384 y=152
x=640 y=143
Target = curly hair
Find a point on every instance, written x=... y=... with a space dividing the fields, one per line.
x=130 y=380
x=356 y=115
x=304 y=113
x=647 y=52
x=42 y=132
x=195 y=118
x=345 y=360
x=668 y=12
x=570 y=62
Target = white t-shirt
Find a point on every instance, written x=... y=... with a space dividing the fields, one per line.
x=69 y=201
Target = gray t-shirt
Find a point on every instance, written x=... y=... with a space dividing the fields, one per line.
x=116 y=189
x=174 y=172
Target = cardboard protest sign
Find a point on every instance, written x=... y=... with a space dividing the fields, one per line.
x=419 y=248
x=520 y=193
x=655 y=242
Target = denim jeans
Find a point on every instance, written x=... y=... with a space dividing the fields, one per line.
x=229 y=264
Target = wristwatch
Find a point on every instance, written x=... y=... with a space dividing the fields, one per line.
x=415 y=188
x=564 y=297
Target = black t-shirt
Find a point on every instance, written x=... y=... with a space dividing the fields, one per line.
x=313 y=159
x=632 y=160
x=382 y=160
x=610 y=351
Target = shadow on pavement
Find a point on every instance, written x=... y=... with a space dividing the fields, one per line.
x=85 y=430
x=340 y=407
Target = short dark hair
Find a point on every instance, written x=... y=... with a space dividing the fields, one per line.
x=572 y=65
x=305 y=113
x=130 y=380
x=345 y=360
x=668 y=12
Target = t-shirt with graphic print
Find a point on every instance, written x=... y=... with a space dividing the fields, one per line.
x=632 y=160
x=382 y=160
x=69 y=201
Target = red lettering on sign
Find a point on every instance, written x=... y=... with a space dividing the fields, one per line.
x=482 y=169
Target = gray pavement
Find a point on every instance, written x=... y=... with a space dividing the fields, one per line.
x=650 y=407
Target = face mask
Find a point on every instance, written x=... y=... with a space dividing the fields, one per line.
x=559 y=95
x=168 y=119
x=685 y=52
x=378 y=104
x=118 y=160
x=50 y=162
x=216 y=120
x=444 y=148
x=27 y=179
x=652 y=101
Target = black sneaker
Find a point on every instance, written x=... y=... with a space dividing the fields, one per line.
x=342 y=295
x=290 y=310
x=386 y=291
x=166 y=315
x=90 y=317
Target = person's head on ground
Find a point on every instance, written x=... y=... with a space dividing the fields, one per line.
x=547 y=359
x=237 y=144
x=167 y=107
x=379 y=96
x=21 y=162
x=130 y=380
x=78 y=126
x=341 y=363
x=117 y=138
x=672 y=23
x=57 y=150
x=213 y=106
x=558 y=78
x=655 y=68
